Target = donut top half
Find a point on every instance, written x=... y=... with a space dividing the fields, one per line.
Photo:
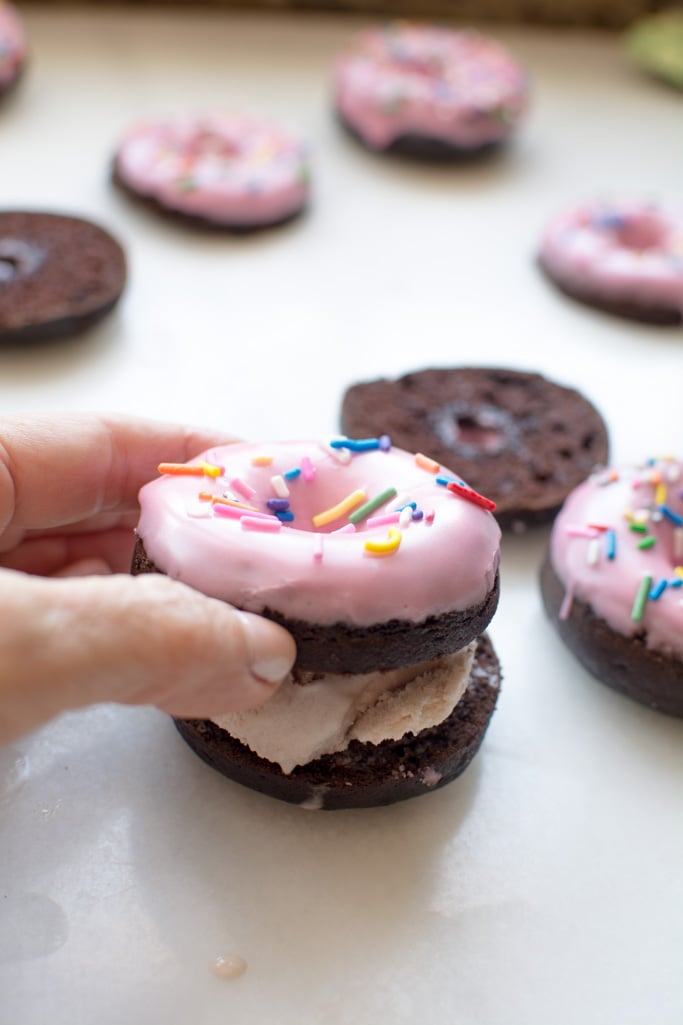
x=323 y=532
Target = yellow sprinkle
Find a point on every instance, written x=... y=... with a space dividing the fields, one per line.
x=628 y=515
x=261 y=460
x=387 y=547
x=425 y=463
x=660 y=494
x=679 y=571
x=341 y=509
x=210 y=470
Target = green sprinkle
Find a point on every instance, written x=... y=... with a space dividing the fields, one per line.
x=647 y=542
x=365 y=510
x=641 y=598
x=640 y=528
x=187 y=184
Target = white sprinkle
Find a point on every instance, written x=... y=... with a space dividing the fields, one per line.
x=593 y=551
x=405 y=516
x=342 y=455
x=279 y=485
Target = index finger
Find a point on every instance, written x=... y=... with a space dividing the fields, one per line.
x=61 y=469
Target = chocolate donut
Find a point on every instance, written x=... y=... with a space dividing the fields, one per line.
x=382 y=564
x=612 y=582
x=58 y=275
x=517 y=437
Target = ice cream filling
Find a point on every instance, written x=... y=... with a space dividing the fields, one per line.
x=322 y=713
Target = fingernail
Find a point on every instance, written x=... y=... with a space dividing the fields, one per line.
x=271 y=650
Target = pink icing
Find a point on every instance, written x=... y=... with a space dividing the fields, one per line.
x=653 y=496
x=408 y=79
x=226 y=168
x=12 y=43
x=620 y=251
x=320 y=575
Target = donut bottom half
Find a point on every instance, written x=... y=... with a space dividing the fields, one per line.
x=208 y=224
x=621 y=306
x=624 y=663
x=342 y=648
x=426 y=148
x=365 y=775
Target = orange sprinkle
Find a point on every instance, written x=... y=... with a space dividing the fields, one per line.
x=182 y=469
x=219 y=500
x=261 y=460
x=425 y=463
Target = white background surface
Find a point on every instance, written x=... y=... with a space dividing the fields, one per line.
x=545 y=885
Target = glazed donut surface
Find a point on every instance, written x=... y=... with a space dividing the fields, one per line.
x=406 y=79
x=617 y=545
x=223 y=168
x=629 y=254
x=296 y=550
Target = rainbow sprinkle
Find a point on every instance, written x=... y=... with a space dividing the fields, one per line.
x=641 y=598
x=335 y=512
x=374 y=503
x=388 y=547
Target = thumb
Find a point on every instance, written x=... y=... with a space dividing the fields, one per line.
x=137 y=640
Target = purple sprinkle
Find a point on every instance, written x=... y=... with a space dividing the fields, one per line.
x=418 y=514
x=384 y=442
x=278 y=504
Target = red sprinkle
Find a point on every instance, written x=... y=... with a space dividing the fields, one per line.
x=470 y=495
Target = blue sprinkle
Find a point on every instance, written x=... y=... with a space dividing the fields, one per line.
x=676 y=582
x=657 y=590
x=671 y=515
x=408 y=505
x=447 y=480
x=285 y=515
x=292 y=474
x=418 y=515
x=609 y=221
x=611 y=542
x=278 y=504
x=384 y=442
x=360 y=445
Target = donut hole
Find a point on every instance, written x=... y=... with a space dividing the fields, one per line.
x=18 y=259
x=639 y=232
x=475 y=429
x=207 y=143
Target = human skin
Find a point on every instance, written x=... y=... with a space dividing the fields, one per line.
x=77 y=629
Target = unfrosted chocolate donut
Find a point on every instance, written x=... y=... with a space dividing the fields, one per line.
x=365 y=775
x=517 y=437
x=58 y=275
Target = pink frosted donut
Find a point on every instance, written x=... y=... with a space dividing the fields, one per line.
x=626 y=258
x=12 y=46
x=613 y=580
x=228 y=170
x=407 y=86
x=328 y=539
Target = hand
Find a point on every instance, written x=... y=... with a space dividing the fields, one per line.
x=76 y=628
